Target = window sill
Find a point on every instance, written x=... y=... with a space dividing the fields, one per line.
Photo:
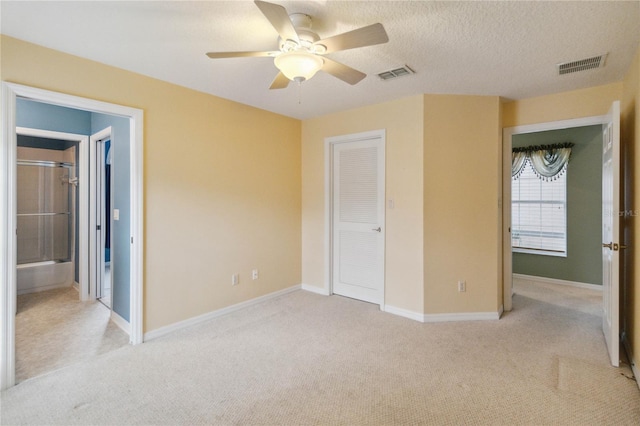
x=540 y=252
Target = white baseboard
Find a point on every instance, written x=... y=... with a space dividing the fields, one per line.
x=121 y=322
x=162 y=331
x=314 y=289
x=463 y=316
x=545 y=280
x=455 y=316
x=403 y=313
x=632 y=362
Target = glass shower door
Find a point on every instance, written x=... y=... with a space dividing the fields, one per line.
x=43 y=212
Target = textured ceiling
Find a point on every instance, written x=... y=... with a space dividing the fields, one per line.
x=506 y=48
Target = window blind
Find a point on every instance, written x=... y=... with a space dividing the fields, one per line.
x=539 y=217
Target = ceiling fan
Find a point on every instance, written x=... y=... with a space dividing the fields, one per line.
x=302 y=51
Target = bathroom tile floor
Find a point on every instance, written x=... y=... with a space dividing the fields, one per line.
x=55 y=329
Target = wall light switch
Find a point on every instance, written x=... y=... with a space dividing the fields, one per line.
x=116 y=214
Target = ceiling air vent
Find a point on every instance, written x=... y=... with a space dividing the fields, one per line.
x=582 y=64
x=395 y=73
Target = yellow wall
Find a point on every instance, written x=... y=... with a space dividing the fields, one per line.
x=402 y=120
x=630 y=133
x=588 y=102
x=222 y=184
x=446 y=222
x=462 y=218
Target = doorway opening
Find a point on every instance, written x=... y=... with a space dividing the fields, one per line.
x=509 y=134
x=593 y=212
x=52 y=312
x=8 y=220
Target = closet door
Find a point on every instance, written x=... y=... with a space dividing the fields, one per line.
x=358 y=219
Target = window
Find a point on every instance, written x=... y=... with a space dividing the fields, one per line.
x=539 y=214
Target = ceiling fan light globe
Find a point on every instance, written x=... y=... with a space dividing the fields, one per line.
x=298 y=65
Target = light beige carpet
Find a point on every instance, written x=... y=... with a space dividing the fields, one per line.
x=308 y=359
x=54 y=329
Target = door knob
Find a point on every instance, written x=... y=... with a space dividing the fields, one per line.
x=378 y=229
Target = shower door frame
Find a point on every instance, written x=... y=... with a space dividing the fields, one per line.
x=83 y=214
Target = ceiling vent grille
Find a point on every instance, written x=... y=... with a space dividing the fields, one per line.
x=395 y=73
x=582 y=64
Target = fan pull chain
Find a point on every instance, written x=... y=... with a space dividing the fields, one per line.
x=299 y=92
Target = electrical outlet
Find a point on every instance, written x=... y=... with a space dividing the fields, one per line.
x=254 y=274
x=235 y=279
x=462 y=286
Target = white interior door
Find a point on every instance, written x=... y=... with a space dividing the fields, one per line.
x=97 y=217
x=611 y=232
x=101 y=218
x=358 y=219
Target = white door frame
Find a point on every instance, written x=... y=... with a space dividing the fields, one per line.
x=328 y=203
x=507 y=136
x=82 y=218
x=11 y=91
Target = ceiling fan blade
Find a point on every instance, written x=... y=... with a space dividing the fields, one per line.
x=280 y=20
x=217 y=55
x=365 y=36
x=341 y=71
x=280 y=82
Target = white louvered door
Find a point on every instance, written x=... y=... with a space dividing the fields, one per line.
x=358 y=219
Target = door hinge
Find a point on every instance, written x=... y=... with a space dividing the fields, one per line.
x=131 y=240
x=97 y=227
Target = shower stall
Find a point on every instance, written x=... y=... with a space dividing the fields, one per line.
x=45 y=224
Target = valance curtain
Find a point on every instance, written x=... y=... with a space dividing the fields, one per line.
x=547 y=162
x=518 y=161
